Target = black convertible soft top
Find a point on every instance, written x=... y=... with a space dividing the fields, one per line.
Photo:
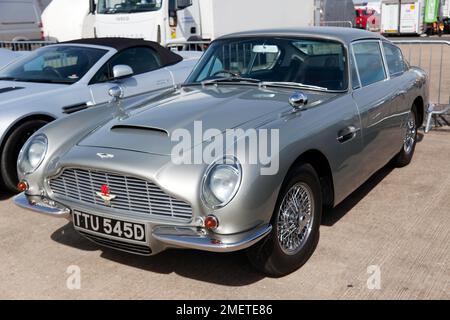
x=167 y=57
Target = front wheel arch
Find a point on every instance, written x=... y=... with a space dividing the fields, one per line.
x=322 y=167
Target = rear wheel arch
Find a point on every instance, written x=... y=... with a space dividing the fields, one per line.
x=420 y=108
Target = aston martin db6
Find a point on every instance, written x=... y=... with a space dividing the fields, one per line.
x=270 y=128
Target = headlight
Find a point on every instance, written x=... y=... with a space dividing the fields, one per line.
x=221 y=182
x=32 y=154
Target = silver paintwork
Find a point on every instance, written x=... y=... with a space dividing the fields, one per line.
x=357 y=132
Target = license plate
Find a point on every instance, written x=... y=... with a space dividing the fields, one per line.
x=119 y=229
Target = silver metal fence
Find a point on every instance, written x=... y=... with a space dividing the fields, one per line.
x=189 y=46
x=433 y=56
x=24 y=45
x=344 y=24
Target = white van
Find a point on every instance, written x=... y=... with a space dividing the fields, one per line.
x=21 y=19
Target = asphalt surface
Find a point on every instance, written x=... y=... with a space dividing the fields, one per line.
x=399 y=222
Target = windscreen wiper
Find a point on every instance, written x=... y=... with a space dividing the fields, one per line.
x=293 y=85
x=44 y=81
x=230 y=79
x=8 y=78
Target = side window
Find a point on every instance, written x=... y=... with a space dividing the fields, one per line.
x=394 y=59
x=140 y=59
x=369 y=62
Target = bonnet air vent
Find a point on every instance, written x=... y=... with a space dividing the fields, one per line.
x=128 y=128
x=3 y=90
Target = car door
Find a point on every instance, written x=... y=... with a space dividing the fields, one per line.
x=401 y=83
x=148 y=74
x=376 y=99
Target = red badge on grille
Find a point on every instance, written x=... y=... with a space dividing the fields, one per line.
x=105 y=195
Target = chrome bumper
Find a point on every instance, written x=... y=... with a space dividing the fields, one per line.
x=195 y=239
x=162 y=237
x=42 y=205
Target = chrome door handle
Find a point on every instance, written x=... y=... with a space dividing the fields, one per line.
x=347 y=134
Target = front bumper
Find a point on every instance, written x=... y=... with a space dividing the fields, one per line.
x=161 y=235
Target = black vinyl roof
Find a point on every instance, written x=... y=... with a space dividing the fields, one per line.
x=167 y=57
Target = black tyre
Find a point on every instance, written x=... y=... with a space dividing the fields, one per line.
x=404 y=157
x=296 y=222
x=11 y=149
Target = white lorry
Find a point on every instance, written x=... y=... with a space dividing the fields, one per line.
x=167 y=21
x=405 y=17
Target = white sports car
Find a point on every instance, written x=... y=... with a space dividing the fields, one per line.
x=61 y=79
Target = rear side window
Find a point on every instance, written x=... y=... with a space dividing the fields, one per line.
x=394 y=59
x=369 y=62
x=140 y=59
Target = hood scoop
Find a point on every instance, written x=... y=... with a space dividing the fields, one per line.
x=138 y=129
x=4 y=90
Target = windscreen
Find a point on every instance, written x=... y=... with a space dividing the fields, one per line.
x=312 y=62
x=55 y=64
x=127 y=6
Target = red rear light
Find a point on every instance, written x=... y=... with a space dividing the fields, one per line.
x=41 y=26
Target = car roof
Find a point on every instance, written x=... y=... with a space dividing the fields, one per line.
x=341 y=34
x=167 y=57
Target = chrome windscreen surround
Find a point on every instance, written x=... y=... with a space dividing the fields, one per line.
x=119 y=192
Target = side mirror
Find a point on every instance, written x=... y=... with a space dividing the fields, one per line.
x=121 y=71
x=116 y=93
x=298 y=100
x=183 y=4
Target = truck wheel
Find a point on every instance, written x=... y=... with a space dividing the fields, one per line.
x=404 y=157
x=295 y=222
x=11 y=149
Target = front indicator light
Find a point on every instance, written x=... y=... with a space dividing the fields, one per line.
x=22 y=186
x=211 y=223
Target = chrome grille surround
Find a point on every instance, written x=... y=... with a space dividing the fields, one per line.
x=133 y=195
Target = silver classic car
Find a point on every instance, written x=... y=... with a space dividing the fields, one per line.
x=270 y=128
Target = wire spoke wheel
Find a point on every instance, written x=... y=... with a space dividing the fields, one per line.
x=295 y=218
x=411 y=133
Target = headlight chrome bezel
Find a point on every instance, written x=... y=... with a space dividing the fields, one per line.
x=207 y=194
x=23 y=164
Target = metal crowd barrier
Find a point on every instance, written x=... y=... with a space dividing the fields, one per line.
x=344 y=24
x=433 y=56
x=24 y=45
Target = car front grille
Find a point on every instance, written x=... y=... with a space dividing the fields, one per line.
x=132 y=194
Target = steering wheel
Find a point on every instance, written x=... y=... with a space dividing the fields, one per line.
x=233 y=74
x=54 y=71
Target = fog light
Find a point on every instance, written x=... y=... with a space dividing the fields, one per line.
x=22 y=186
x=211 y=223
